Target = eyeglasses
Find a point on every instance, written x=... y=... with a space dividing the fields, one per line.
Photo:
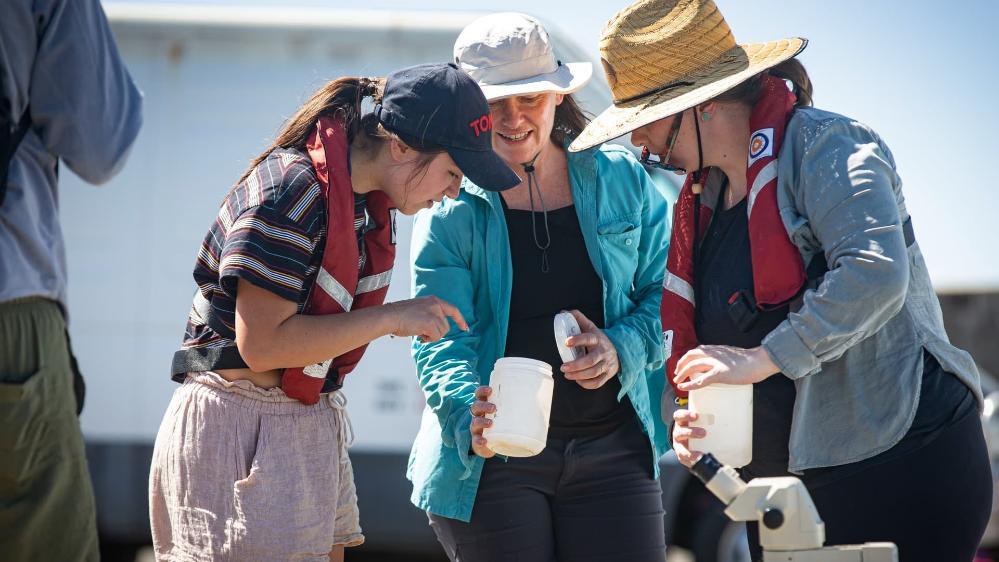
x=663 y=163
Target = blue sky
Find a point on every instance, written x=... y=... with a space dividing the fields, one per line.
x=920 y=73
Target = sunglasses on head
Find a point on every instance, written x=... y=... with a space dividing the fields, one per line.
x=663 y=163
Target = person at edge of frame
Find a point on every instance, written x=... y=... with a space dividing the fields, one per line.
x=65 y=96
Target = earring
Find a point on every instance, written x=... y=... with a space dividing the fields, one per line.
x=705 y=116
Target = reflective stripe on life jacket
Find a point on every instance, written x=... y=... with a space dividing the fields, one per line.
x=341 y=287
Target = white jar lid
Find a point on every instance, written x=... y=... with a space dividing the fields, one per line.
x=565 y=327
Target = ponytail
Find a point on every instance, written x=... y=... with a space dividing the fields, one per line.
x=793 y=71
x=341 y=97
x=750 y=91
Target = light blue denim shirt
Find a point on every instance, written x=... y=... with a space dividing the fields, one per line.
x=61 y=60
x=461 y=253
x=854 y=348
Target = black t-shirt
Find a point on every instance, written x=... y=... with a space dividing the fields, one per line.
x=943 y=401
x=724 y=267
x=570 y=283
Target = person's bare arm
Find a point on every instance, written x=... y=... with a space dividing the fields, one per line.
x=270 y=334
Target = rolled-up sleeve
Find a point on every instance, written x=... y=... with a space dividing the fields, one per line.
x=846 y=185
x=448 y=368
x=637 y=336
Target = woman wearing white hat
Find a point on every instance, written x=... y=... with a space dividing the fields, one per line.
x=584 y=232
x=792 y=238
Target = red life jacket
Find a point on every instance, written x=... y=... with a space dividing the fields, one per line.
x=778 y=269
x=339 y=286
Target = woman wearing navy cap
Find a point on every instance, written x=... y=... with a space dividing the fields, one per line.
x=250 y=461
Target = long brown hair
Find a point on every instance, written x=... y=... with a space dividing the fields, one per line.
x=342 y=98
x=570 y=120
x=750 y=91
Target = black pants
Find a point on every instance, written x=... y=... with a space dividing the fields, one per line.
x=583 y=499
x=933 y=503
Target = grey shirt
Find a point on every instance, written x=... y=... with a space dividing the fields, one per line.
x=854 y=349
x=61 y=61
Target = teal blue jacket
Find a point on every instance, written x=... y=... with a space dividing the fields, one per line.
x=461 y=253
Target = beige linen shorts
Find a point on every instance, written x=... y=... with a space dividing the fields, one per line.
x=242 y=473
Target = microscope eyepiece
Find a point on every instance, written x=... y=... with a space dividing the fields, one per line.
x=706 y=467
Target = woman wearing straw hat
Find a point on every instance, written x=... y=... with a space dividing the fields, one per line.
x=584 y=232
x=792 y=238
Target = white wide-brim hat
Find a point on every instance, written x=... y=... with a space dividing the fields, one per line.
x=511 y=54
x=662 y=57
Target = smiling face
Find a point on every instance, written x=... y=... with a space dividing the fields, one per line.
x=417 y=184
x=522 y=125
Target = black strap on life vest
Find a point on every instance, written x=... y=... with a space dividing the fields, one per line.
x=193 y=360
x=818 y=267
x=197 y=359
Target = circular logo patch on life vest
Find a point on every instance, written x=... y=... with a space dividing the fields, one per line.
x=758 y=144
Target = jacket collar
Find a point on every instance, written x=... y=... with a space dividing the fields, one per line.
x=582 y=162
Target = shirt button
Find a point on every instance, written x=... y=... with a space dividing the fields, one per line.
x=627 y=242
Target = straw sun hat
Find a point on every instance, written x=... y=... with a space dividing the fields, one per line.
x=664 y=56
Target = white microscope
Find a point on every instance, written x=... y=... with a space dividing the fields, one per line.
x=790 y=527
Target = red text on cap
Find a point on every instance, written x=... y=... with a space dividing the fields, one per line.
x=482 y=124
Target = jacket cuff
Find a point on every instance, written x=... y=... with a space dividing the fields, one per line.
x=789 y=352
x=632 y=363
x=462 y=433
x=667 y=408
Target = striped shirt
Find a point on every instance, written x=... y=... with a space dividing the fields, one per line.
x=270 y=231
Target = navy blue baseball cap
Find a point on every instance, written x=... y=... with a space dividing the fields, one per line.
x=442 y=104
